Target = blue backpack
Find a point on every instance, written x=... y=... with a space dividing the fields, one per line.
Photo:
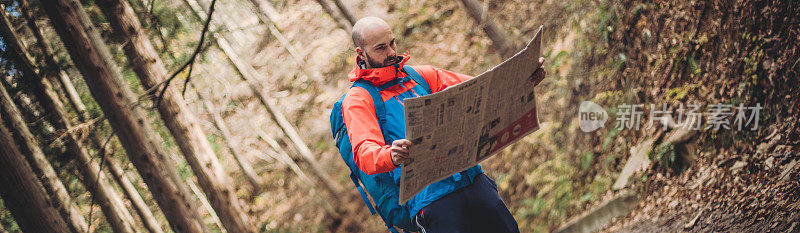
x=383 y=189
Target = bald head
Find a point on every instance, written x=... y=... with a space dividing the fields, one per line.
x=374 y=41
x=367 y=27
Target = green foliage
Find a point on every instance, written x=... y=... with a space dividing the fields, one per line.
x=609 y=138
x=558 y=59
x=6 y=220
x=586 y=160
x=680 y=93
x=554 y=192
x=693 y=66
x=666 y=157
x=214 y=140
x=606 y=18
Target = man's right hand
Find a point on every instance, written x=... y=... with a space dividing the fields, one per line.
x=399 y=151
x=539 y=74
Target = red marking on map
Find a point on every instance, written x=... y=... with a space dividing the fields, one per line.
x=521 y=127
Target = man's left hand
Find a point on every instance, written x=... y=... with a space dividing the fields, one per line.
x=539 y=74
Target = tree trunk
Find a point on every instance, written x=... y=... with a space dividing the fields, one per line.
x=109 y=200
x=56 y=190
x=105 y=82
x=248 y=74
x=232 y=146
x=500 y=41
x=153 y=23
x=343 y=23
x=116 y=171
x=207 y=205
x=53 y=70
x=22 y=192
x=262 y=10
x=346 y=12
x=181 y=122
x=284 y=158
x=150 y=222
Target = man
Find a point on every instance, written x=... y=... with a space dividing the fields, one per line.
x=465 y=202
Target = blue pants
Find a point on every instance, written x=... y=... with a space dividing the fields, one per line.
x=474 y=208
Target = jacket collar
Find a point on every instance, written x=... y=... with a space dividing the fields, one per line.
x=378 y=76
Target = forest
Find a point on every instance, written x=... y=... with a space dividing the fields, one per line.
x=214 y=116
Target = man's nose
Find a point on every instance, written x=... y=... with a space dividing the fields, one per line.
x=392 y=52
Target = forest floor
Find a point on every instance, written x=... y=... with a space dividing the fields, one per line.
x=740 y=182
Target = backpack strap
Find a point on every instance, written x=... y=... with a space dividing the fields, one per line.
x=380 y=113
x=417 y=78
x=380 y=110
x=354 y=178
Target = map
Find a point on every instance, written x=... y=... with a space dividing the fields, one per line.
x=483 y=115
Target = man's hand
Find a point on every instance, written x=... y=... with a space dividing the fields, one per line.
x=399 y=151
x=539 y=74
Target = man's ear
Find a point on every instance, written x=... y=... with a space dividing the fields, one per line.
x=360 y=51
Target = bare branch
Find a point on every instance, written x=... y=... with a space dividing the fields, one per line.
x=190 y=62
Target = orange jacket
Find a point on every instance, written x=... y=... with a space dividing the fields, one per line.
x=370 y=152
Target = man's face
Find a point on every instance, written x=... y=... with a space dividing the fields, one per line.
x=379 y=48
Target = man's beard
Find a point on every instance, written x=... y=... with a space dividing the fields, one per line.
x=388 y=62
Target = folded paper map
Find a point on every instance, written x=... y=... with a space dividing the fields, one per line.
x=484 y=115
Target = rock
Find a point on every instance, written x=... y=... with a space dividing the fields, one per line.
x=673 y=204
x=763 y=148
x=704 y=174
x=769 y=163
x=788 y=170
x=692 y=222
x=637 y=162
x=600 y=216
x=680 y=135
x=738 y=166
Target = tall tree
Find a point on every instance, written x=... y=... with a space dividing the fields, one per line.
x=105 y=82
x=23 y=194
x=137 y=202
x=179 y=119
x=205 y=203
x=53 y=71
x=264 y=13
x=338 y=19
x=109 y=200
x=500 y=41
x=233 y=147
x=55 y=189
x=280 y=154
x=248 y=74
x=346 y=11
